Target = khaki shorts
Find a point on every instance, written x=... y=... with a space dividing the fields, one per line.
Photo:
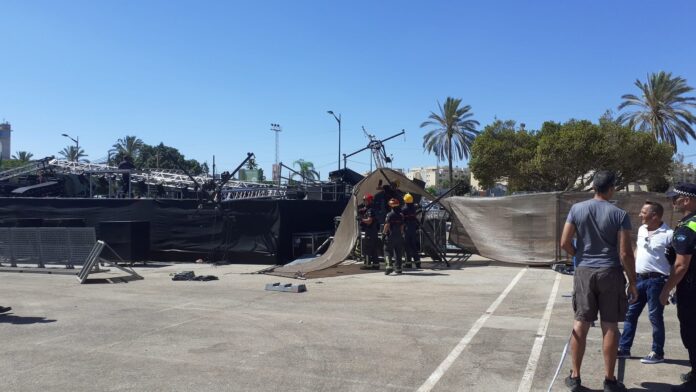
x=599 y=289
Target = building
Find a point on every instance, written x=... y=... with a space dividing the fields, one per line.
x=5 y=139
x=435 y=176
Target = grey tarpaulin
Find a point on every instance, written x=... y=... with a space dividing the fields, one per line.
x=526 y=229
x=347 y=231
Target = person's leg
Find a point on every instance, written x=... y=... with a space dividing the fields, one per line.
x=577 y=345
x=656 y=311
x=610 y=344
x=613 y=306
x=634 y=310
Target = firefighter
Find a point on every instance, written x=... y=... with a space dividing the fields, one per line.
x=393 y=234
x=370 y=228
x=411 y=232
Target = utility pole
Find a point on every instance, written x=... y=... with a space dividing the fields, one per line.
x=276 y=168
x=276 y=128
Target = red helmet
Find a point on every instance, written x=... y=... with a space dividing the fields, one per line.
x=393 y=203
x=368 y=197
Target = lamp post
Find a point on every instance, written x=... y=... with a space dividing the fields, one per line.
x=77 y=144
x=338 y=120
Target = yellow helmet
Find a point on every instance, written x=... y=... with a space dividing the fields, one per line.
x=408 y=199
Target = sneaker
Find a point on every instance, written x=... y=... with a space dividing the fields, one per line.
x=399 y=272
x=614 y=386
x=653 y=358
x=5 y=309
x=388 y=271
x=573 y=383
x=624 y=354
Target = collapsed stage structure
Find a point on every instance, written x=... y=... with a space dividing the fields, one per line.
x=183 y=217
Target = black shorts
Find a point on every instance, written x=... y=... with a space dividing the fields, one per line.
x=600 y=290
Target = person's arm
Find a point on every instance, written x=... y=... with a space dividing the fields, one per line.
x=681 y=266
x=628 y=261
x=567 y=239
x=385 y=230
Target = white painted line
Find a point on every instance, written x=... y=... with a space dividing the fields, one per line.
x=457 y=350
x=528 y=377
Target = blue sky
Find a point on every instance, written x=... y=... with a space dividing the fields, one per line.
x=209 y=77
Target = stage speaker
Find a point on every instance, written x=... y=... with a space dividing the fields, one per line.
x=130 y=239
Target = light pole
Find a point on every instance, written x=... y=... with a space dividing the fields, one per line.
x=77 y=145
x=276 y=168
x=338 y=120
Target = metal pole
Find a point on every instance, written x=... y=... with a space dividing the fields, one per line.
x=339 y=143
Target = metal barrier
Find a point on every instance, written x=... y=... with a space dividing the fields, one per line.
x=42 y=246
x=38 y=248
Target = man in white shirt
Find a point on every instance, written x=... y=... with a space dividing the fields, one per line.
x=652 y=269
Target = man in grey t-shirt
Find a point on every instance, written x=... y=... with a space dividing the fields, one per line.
x=603 y=245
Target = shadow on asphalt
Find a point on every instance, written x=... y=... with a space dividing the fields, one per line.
x=13 y=319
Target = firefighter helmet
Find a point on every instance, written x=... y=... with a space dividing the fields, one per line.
x=408 y=199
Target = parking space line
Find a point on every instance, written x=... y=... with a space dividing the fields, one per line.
x=457 y=350
x=528 y=376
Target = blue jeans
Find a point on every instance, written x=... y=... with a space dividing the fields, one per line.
x=648 y=293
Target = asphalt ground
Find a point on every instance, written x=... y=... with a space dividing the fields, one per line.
x=478 y=326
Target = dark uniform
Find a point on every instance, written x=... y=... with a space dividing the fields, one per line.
x=409 y=212
x=394 y=241
x=684 y=243
x=370 y=243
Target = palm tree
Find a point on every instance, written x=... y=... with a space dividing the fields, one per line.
x=663 y=110
x=129 y=145
x=454 y=130
x=306 y=170
x=23 y=156
x=251 y=164
x=72 y=153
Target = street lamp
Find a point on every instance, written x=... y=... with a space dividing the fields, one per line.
x=338 y=120
x=77 y=141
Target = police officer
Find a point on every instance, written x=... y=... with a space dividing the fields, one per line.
x=411 y=232
x=369 y=226
x=393 y=234
x=683 y=276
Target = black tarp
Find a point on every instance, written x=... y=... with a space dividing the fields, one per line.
x=238 y=231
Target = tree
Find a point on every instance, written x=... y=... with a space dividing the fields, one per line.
x=500 y=153
x=129 y=145
x=73 y=153
x=165 y=157
x=454 y=130
x=662 y=110
x=251 y=164
x=563 y=157
x=23 y=156
x=305 y=170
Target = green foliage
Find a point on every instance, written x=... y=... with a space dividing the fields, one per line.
x=453 y=133
x=305 y=169
x=129 y=145
x=73 y=153
x=23 y=156
x=662 y=109
x=432 y=190
x=564 y=156
x=165 y=157
x=8 y=164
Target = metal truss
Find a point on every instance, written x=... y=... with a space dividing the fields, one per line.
x=31 y=167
